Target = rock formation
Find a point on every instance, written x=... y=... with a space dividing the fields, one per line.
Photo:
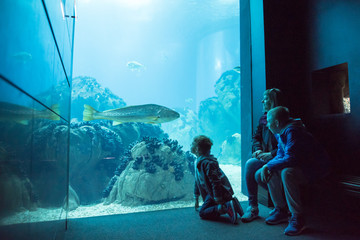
x=219 y=117
x=158 y=171
x=230 y=152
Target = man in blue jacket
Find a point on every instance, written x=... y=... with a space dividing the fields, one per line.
x=300 y=159
x=212 y=184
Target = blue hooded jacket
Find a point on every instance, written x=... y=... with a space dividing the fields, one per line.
x=298 y=148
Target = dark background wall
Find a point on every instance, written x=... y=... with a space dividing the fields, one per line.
x=305 y=36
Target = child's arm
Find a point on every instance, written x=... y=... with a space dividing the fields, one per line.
x=196 y=196
x=214 y=174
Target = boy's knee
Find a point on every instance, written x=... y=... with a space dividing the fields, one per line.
x=286 y=174
x=258 y=177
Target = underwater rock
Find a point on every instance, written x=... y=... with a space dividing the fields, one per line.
x=159 y=171
x=227 y=89
x=86 y=90
x=186 y=127
x=213 y=122
x=49 y=159
x=15 y=191
x=94 y=153
x=96 y=149
x=131 y=132
x=231 y=150
x=219 y=117
x=74 y=201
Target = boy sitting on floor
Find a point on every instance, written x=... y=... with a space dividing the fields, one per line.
x=212 y=183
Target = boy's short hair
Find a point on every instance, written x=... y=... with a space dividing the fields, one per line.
x=203 y=143
x=281 y=114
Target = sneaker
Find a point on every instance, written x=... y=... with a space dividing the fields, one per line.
x=250 y=214
x=238 y=207
x=279 y=216
x=272 y=212
x=230 y=210
x=296 y=225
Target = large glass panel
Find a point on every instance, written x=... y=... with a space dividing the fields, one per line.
x=181 y=56
x=29 y=57
x=34 y=120
x=33 y=163
x=61 y=13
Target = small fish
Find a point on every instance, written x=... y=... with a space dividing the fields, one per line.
x=237 y=69
x=135 y=66
x=23 y=57
x=189 y=100
x=21 y=114
x=147 y=113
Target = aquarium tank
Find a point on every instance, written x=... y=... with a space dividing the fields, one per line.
x=100 y=101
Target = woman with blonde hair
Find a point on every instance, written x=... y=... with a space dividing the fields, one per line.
x=264 y=147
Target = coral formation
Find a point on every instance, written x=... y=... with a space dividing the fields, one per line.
x=16 y=191
x=219 y=117
x=186 y=127
x=231 y=150
x=158 y=171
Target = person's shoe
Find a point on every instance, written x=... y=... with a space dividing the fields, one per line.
x=296 y=225
x=272 y=212
x=279 y=216
x=250 y=214
x=238 y=207
x=230 y=210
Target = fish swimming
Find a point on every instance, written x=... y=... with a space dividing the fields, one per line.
x=22 y=114
x=135 y=66
x=22 y=57
x=237 y=69
x=147 y=113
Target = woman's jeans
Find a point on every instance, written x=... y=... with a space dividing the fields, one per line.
x=252 y=177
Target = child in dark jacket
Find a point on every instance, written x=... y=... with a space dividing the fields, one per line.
x=212 y=184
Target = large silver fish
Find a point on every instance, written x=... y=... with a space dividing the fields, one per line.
x=147 y=113
x=21 y=114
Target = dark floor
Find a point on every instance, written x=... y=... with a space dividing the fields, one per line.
x=180 y=224
x=186 y=224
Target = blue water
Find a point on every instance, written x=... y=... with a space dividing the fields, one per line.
x=177 y=54
x=184 y=47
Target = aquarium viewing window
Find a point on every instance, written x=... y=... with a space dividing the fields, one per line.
x=148 y=76
x=330 y=90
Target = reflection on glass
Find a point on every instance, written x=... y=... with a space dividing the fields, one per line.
x=33 y=160
x=21 y=114
x=33 y=136
x=330 y=90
